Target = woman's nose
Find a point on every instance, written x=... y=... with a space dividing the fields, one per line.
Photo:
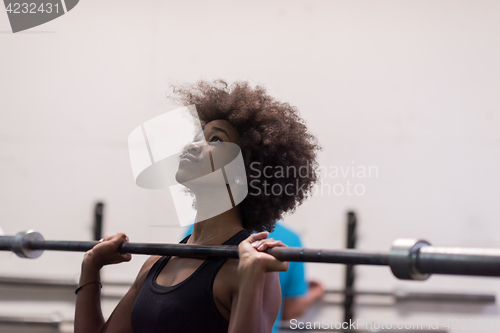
x=194 y=148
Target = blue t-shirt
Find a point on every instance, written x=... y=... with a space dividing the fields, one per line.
x=293 y=282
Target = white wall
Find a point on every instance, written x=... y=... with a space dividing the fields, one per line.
x=410 y=87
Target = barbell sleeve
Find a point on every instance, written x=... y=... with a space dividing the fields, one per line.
x=458 y=261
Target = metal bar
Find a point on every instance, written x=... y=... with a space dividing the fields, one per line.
x=408 y=258
x=349 y=276
x=98 y=213
x=31 y=282
x=430 y=260
x=32 y=321
x=227 y=251
x=6 y=243
x=458 y=261
x=446 y=297
x=360 y=293
x=402 y=295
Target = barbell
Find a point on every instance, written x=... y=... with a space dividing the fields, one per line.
x=409 y=259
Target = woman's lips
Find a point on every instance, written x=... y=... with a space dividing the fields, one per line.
x=188 y=157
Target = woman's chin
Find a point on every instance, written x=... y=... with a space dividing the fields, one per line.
x=181 y=177
x=186 y=179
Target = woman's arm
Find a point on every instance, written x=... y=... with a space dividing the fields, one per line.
x=88 y=314
x=256 y=304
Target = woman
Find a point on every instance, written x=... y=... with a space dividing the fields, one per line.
x=172 y=294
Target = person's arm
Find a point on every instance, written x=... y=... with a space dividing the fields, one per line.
x=88 y=313
x=294 y=307
x=257 y=301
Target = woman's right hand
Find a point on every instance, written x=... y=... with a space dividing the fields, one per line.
x=106 y=252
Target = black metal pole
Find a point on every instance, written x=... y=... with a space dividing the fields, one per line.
x=6 y=243
x=227 y=251
x=98 y=218
x=408 y=259
x=349 y=270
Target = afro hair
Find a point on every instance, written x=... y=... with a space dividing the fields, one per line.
x=272 y=135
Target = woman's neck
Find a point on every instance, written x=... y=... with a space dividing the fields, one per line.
x=216 y=230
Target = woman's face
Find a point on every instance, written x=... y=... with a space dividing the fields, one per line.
x=199 y=158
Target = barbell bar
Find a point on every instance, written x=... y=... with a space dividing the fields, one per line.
x=409 y=259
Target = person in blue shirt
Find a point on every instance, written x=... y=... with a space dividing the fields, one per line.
x=297 y=294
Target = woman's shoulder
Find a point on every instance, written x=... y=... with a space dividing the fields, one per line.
x=227 y=279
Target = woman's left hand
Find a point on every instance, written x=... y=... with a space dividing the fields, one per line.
x=254 y=260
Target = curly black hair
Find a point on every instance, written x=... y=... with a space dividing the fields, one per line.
x=271 y=134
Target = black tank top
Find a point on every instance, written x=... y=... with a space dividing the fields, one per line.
x=186 y=307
